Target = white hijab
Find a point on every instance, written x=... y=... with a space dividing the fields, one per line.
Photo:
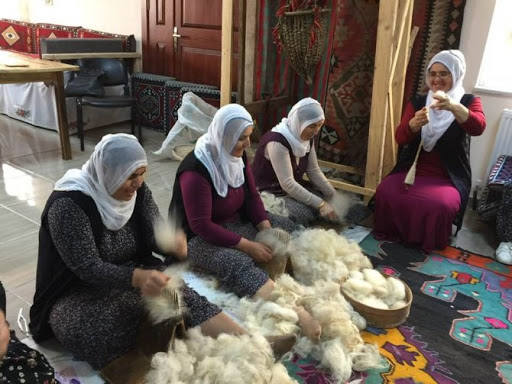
x=439 y=122
x=214 y=148
x=114 y=159
x=305 y=112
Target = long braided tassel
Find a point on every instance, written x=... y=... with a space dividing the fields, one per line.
x=411 y=175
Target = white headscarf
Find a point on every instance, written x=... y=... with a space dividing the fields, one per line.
x=114 y=159
x=440 y=120
x=214 y=148
x=306 y=112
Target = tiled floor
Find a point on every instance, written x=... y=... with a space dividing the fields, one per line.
x=31 y=163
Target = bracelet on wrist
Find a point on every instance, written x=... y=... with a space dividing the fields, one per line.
x=321 y=204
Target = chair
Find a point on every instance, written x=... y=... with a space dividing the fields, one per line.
x=110 y=72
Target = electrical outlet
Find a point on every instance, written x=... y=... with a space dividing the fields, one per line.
x=48 y=2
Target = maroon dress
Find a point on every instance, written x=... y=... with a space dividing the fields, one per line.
x=421 y=214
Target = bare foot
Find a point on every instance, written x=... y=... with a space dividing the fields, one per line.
x=310 y=326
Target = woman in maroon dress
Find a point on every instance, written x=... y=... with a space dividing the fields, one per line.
x=439 y=126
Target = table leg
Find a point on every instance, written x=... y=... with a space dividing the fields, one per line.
x=60 y=100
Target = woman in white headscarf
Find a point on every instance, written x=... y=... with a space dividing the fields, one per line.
x=285 y=154
x=222 y=212
x=436 y=130
x=95 y=258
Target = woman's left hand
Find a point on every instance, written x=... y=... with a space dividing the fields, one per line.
x=442 y=101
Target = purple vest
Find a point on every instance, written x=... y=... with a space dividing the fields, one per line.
x=264 y=175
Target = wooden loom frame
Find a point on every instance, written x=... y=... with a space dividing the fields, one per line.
x=394 y=43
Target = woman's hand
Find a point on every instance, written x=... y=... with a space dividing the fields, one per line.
x=441 y=101
x=265 y=224
x=150 y=281
x=258 y=251
x=444 y=102
x=327 y=211
x=181 y=245
x=5 y=335
x=419 y=120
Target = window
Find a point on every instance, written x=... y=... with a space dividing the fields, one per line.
x=496 y=69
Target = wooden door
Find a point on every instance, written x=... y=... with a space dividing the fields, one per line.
x=193 y=54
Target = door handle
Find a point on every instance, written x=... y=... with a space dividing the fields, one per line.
x=175 y=37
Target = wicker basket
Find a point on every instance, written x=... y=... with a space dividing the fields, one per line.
x=382 y=318
x=295 y=30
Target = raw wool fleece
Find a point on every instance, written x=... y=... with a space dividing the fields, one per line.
x=319 y=254
x=371 y=288
x=169 y=304
x=228 y=359
x=341 y=348
x=274 y=204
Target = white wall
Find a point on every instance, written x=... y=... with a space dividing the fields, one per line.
x=477 y=19
x=114 y=16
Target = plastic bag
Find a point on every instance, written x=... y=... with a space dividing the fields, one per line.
x=194 y=118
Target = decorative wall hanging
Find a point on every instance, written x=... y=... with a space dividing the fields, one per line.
x=301 y=32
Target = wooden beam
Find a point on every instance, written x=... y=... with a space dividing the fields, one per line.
x=352 y=188
x=226 y=52
x=341 y=167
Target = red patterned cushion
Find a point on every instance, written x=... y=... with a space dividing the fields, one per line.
x=128 y=40
x=16 y=36
x=53 y=30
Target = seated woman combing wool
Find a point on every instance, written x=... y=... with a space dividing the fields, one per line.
x=435 y=130
x=95 y=259
x=215 y=194
x=285 y=154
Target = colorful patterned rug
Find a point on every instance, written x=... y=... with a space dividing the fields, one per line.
x=460 y=326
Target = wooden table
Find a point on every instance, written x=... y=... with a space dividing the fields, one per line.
x=18 y=68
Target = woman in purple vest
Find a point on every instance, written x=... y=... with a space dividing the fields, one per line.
x=222 y=211
x=285 y=154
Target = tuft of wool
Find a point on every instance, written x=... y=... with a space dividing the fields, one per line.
x=355 y=286
x=169 y=304
x=319 y=254
x=398 y=304
x=411 y=174
x=336 y=358
x=228 y=359
x=274 y=204
x=373 y=302
x=375 y=277
x=278 y=240
x=341 y=203
x=165 y=235
x=367 y=356
x=396 y=289
x=275 y=238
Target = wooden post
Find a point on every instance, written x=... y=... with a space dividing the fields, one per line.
x=391 y=57
x=397 y=82
x=380 y=100
x=226 y=52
